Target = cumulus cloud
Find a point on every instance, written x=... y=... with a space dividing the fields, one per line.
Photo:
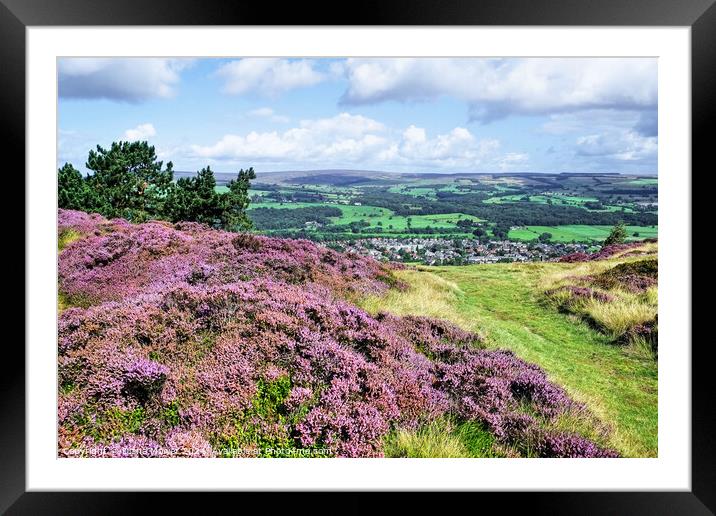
x=355 y=139
x=141 y=132
x=267 y=76
x=344 y=134
x=495 y=88
x=120 y=79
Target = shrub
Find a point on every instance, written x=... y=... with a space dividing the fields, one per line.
x=633 y=276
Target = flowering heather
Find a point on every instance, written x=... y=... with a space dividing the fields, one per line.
x=116 y=260
x=249 y=344
x=633 y=276
x=84 y=223
x=573 y=293
x=574 y=257
x=647 y=332
x=604 y=252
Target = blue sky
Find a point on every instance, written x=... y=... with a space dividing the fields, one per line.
x=405 y=115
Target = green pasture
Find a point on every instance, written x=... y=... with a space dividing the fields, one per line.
x=580 y=233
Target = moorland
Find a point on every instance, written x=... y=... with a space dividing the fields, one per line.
x=293 y=314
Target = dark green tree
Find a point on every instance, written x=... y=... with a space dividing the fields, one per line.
x=129 y=181
x=545 y=237
x=235 y=202
x=195 y=199
x=617 y=235
x=72 y=190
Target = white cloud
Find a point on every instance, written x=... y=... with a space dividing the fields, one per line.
x=358 y=140
x=495 y=88
x=512 y=161
x=264 y=112
x=268 y=113
x=267 y=76
x=121 y=79
x=602 y=120
x=349 y=135
x=619 y=146
x=141 y=132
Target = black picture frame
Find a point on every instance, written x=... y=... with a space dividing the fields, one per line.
x=16 y=15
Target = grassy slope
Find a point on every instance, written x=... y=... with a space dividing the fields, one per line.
x=502 y=301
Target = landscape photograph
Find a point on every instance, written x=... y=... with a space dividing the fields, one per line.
x=357 y=257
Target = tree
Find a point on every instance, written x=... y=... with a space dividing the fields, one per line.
x=195 y=199
x=545 y=237
x=616 y=236
x=236 y=201
x=72 y=190
x=129 y=181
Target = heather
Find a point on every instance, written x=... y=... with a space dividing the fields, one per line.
x=616 y=294
x=115 y=260
x=505 y=303
x=606 y=251
x=196 y=342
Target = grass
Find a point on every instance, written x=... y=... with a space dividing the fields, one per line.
x=442 y=438
x=504 y=302
x=390 y=223
x=428 y=295
x=557 y=200
x=66 y=238
x=644 y=181
x=580 y=233
x=626 y=309
x=617 y=317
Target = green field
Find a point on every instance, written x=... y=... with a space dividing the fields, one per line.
x=383 y=218
x=579 y=233
x=405 y=205
x=503 y=302
x=558 y=200
x=644 y=181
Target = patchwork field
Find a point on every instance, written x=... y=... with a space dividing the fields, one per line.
x=572 y=208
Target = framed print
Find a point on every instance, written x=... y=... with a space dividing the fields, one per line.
x=427 y=251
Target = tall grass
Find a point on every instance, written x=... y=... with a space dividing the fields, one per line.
x=66 y=238
x=505 y=303
x=434 y=440
x=616 y=318
x=442 y=438
x=432 y=296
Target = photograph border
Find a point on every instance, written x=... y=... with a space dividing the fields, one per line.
x=15 y=16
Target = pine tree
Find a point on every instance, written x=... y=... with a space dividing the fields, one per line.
x=236 y=201
x=129 y=181
x=72 y=190
x=617 y=235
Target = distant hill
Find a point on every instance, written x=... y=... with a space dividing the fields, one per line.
x=348 y=177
